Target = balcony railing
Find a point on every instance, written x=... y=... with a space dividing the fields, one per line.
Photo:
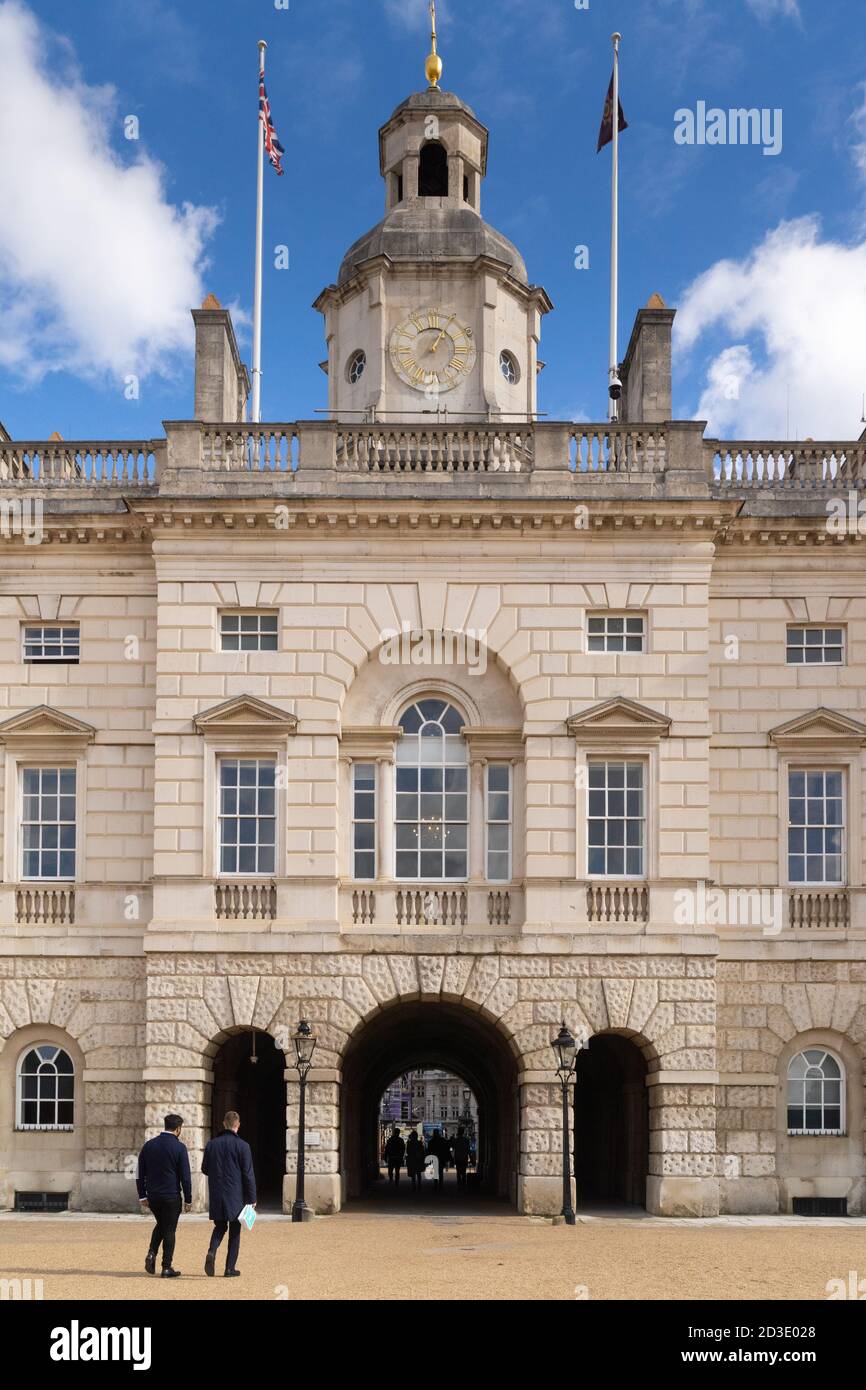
x=245 y=902
x=627 y=457
x=45 y=907
x=130 y=464
x=617 y=449
x=430 y=906
x=775 y=467
x=819 y=911
x=617 y=902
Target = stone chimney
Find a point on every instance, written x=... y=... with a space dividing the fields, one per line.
x=222 y=383
x=646 y=371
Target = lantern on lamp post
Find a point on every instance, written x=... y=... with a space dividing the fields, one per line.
x=565 y=1050
x=304 y=1041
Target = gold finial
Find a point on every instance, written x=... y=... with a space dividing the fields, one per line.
x=433 y=66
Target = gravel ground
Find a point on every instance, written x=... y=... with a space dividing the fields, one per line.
x=494 y=1254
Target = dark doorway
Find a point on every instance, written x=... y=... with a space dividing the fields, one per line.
x=611 y=1122
x=433 y=172
x=257 y=1090
x=414 y=1035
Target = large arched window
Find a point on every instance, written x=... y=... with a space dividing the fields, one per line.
x=46 y=1088
x=433 y=171
x=432 y=803
x=816 y=1093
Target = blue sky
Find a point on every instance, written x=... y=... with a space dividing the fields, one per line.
x=105 y=243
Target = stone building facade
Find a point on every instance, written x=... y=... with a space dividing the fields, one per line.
x=639 y=656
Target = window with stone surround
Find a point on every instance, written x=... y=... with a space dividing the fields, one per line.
x=815 y=646
x=816 y=826
x=51 y=644
x=816 y=1093
x=432 y=794
x=247 y=816
x=498 y=818
x=364 y=820
x=249 y=632
x=616 y=632
x=45 y=1088
x=48 y=823
x=616 y=821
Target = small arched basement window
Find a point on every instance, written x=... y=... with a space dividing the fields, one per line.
x=46 y=1088
x=816 y=1093
x=433 y=171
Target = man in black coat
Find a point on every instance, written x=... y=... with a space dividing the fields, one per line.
x=228 y=1166
x=394 y=1151
x=163 y=1173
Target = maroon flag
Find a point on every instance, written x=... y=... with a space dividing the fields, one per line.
x=605 y=135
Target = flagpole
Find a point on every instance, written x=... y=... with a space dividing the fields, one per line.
x=257 y=295
x=614 y=230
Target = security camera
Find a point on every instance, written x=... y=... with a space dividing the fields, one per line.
x=615 y=389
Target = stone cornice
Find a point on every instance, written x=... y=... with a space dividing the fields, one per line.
x=369 y=741
x=492 y=742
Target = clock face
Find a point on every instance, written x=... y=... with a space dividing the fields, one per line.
x=432 y=351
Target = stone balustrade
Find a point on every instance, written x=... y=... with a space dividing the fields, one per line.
x=624 y=458
x=775 y=467
x=423 y=906
x=49 y=907
x=819 y=910
x=617 y=902
x=617 y=449
x=435 y=449
x=245 y=902
x=250 y=448
x=90 y=464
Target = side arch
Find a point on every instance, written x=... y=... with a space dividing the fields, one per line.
x=40 y=1160
x=821 y=1165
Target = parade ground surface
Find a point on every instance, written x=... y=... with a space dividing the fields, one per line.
x=405 y=1249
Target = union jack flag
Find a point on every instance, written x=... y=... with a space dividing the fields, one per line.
x=274 y=149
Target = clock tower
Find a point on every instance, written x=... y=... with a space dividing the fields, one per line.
x=432 y=313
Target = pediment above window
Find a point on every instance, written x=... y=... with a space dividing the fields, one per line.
x=42 y=724
x=246 y=716
x=820 y=728
x=619 y=718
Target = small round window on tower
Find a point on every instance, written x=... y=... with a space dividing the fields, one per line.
x=357 y=363
x=509 y=368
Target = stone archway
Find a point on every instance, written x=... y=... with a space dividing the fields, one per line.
x=611 y=1121
x=422 y=1033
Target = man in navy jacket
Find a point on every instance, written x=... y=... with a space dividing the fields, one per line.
x=228 y=1166
x=163 y=1174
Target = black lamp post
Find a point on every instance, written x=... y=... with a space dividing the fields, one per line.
x=466 y=1117
x=565 y=1049
x=305 y=1045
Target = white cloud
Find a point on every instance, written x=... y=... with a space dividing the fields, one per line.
x=768 y=9
x=98 y=271
x=795 y=306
